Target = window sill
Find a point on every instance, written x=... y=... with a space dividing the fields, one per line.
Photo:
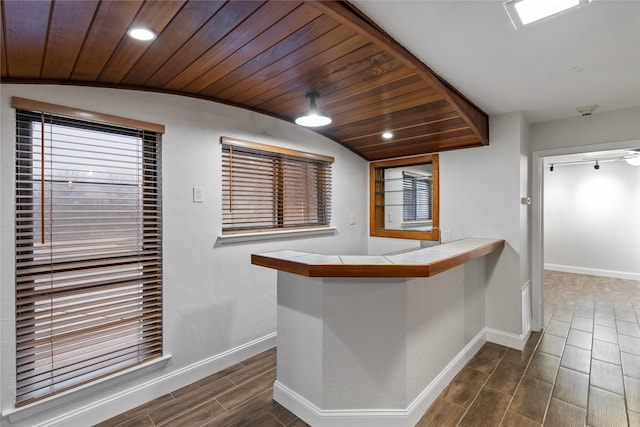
x=413 y=224
x=268 y=235
x=35 y=408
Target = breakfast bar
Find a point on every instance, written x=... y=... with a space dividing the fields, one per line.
x=372 y=340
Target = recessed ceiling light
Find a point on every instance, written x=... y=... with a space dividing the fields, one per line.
x=141 y=33
x=387 y=135
x=523 y=12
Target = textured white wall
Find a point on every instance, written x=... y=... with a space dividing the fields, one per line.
x=375 y=343
x=592 y=219
x=364 y=343
x=214 y=299
x=480 y=190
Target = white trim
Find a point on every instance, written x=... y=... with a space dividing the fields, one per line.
x=408 y=417
x=266 y=235
x=593 y=271
x=526 y=307
x=425 y=399
x=317 y=417
x=507 y=339
x=141 y=393
x=537 y=243
x=16 y=414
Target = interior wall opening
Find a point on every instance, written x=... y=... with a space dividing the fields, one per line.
x=585 y=217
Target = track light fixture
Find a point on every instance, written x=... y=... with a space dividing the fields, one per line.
x=313 y=117
x=596 y=166
x=551 y=168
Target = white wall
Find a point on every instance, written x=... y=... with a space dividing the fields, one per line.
x=480 y=191
x=214 y=299
x=592 y=219
x=606 y=127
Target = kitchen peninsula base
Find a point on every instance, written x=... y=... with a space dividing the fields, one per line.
x=376 y=351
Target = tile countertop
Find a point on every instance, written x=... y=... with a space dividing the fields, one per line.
x=416 y=263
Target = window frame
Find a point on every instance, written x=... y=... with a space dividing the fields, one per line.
x=377 y=227
x=284 y=163
x=150 y=176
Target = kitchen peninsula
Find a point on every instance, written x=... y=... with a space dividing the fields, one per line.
x=372 y=340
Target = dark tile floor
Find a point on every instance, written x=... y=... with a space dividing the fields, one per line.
x=241 y=395
x=583 y=370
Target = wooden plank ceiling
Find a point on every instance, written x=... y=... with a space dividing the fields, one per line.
x=260 y=55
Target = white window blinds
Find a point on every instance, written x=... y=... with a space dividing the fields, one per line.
x=270 y=188
x=88 y=251
x=416 y=197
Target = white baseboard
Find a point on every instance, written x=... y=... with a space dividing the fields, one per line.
x=426 y=398
x=317 y=417
x=526 y=308
x=408 y=417
x=141 y=393
x=593 y=271
x=507 y=339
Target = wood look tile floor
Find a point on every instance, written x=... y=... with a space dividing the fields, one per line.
x=583 y=370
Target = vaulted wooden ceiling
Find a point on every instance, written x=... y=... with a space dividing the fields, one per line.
x=260 y=55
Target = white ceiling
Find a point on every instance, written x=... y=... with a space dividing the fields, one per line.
x=587 y=56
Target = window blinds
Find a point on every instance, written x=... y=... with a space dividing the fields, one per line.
x=416 y=197
x=270 y=188
x=88 y=251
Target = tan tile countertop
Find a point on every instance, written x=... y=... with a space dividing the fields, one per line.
x=423 y=262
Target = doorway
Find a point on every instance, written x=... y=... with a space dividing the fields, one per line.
x=541 y=161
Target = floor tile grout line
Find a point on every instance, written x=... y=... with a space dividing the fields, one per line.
x=204 y=402
x=553 y=385
x=480 y=389
x=535 y=349
x=208 y=422
x=518 y=386
x=483 y=384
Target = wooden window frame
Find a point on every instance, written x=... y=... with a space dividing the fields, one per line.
x=89 y=300
x=377 y=198
x=286 y=177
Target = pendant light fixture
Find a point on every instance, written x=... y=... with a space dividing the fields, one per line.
x=313 y=117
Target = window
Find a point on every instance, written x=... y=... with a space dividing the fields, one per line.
x=270 y=188
x=416 y=197
x=387 y=203
x=88 y=249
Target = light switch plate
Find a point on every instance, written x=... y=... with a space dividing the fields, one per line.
x=198 y=195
